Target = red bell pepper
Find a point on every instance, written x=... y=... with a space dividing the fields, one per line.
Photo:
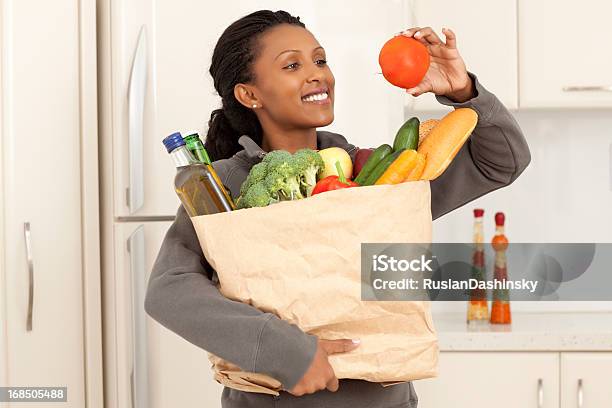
x=333 y=182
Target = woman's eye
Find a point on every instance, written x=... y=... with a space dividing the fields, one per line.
x=321 y=62
x=292 y=66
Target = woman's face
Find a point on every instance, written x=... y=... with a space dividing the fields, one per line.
x=293 y=82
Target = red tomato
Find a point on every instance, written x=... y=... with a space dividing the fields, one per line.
x=404 y=61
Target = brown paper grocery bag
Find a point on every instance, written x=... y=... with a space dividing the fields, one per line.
x=320 y=237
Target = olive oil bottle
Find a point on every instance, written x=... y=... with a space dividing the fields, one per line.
x=196 y=147
x=196 y=183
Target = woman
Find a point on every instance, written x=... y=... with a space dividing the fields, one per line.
x=266 y=67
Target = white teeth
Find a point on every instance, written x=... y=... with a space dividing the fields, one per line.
x=316 y=97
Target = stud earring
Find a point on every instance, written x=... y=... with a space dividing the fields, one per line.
x=254 y=105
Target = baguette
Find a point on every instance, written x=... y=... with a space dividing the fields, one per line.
x=444 y=141
x=425 y=128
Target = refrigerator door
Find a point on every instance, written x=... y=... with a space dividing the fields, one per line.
x=156 y=62
x=155 y=367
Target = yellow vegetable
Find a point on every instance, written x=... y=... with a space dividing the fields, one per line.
x=330 y=156
x=417 y=171
x=400 y=168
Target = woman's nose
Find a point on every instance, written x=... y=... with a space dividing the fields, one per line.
x=316 y=74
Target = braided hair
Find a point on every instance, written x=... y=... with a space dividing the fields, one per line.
x=232 y=61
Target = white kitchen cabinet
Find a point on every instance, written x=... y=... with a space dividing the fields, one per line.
x=511 y=379
x=480 y=379
x=564 y=44
x=155 y=367
x=486 y=39
x=50 y=331
x=585 y=380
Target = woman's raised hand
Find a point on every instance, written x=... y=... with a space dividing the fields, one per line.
x=447 y=74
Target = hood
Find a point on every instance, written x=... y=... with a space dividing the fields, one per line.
x=252 y=152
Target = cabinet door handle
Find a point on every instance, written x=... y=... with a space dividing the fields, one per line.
x=540 y=393
x=580 y=393
x=139 y=376
x=136 y=100
x=602 y=88
x=133 y=392
x=30 y=261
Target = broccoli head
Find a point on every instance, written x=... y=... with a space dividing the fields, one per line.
x=281 y=176
x=308 y=165
x=256 y=175
x=256 y=196
x=276 y=158
x=283 y=183
x=282 y=180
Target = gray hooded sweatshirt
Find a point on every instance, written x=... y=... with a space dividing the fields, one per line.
x=183 y=295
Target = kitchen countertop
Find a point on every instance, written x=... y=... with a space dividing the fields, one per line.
x=590 y=331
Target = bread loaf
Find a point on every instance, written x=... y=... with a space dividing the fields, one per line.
x=445 y=139
x=425 y=128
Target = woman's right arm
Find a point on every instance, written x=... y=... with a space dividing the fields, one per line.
x=182 y=297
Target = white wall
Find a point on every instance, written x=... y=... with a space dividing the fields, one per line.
x=565 y=195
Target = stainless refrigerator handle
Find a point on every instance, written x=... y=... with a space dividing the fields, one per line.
x=133 y=393
x=603 y=88
x=540 y=393
x=136 y=100
x=28 y=250
x=140 y=387
x=580 y=393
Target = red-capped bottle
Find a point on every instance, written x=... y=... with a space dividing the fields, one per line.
x=500 y=308
x=478 y=307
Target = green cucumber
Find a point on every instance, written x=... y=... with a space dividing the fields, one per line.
x=381 y=167
x=377 y=155
x=407 y=136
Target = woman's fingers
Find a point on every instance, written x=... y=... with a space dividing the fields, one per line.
x=416 y=91
x=408 y=32
x=451 y=39
x=339 y=345
x=428 y=35
x=425 y=35
x=333 y=384
x=420 y=89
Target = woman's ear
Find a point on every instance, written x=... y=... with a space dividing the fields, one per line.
x=246 y=96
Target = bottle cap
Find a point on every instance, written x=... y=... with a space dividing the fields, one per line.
x=173 y=141
x=500 y=218
x=191 y=133
x=478 y=212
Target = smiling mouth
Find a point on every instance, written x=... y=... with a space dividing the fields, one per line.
x=320 y=98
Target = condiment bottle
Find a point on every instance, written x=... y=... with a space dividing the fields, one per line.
x=196 y=184
x=196 y=147
x=478 y=307
x=500 y=309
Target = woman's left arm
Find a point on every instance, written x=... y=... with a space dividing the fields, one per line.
x=496 y=152
x=493 y=157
